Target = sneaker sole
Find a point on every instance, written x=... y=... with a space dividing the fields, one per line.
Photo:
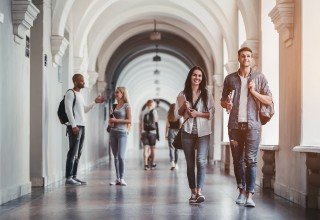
x=250 y=205
x=200 y=200
x=240 y=203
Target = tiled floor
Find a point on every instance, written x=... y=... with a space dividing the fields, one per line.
x=154 y=194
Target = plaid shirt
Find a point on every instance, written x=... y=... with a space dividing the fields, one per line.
x=233 y=82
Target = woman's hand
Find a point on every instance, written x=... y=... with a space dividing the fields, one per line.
x=113 y=120
x=192 y=113
x=186 y=105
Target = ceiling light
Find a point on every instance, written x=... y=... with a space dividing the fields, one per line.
x=155 y=35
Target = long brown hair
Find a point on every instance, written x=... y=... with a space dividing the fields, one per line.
x=202 y=87
x=170 y=115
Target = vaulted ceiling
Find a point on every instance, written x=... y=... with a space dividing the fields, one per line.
x=113 y=36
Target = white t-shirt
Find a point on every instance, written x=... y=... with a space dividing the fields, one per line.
x=242 y=116
x=79 y=108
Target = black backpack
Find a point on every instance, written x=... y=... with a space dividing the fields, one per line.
x=62 y=115
x=148 y=122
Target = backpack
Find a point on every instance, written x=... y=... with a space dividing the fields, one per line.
x=265 y=111
x=148 y=121
x=62 y=115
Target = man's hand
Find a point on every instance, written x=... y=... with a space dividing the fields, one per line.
x=251 y=86
x=75 y=130
x=227 y=105
x=99 y=99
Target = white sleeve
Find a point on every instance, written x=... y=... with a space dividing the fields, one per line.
x=176 y=109
x=68 y=103
x=89 y=107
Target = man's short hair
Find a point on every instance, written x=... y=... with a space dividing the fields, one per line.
x=244 y=49
x=75 y=76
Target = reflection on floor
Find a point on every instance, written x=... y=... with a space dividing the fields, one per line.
x=154 y=194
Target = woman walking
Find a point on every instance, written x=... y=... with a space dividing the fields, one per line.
x=118 y=133
x=198 y=107
x=172 y=128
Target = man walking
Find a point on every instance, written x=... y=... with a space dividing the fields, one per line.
x=76 y=127
x=148 y=133
x=242 y=91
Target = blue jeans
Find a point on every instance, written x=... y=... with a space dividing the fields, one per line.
x=171 y=135
x=75 y=150
x=244 y=148
x=118 y=142
x=191 y=143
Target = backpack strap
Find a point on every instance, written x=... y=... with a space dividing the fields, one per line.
x=74 y=100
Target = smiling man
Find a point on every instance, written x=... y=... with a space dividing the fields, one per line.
x=244 y=126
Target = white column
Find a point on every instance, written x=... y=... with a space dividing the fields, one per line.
x=270 y=68
x=310 y=74
x=218 y=119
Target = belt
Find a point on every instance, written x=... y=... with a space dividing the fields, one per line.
x=243 y=125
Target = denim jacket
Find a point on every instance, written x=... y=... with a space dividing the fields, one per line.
x=233 y=82
x=203 y=124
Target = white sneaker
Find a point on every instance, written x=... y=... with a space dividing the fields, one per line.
x=72 y=182
x=122 y=182
x=173 y=165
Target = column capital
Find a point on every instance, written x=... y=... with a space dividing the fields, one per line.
x=93 y=76
x=58 y=46
x=282 y=16
x=218 y=80
x=232 y=66
x=101 y=86
x=77 y=63
x=23 y=15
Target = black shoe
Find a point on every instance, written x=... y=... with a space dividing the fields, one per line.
x=153 y=166
x=200 y=198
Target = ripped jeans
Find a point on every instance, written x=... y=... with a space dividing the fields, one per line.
x=244 y=148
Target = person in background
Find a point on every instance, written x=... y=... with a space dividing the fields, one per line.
x=172 y=128
x=148 y=133
x=76 y=127
x=198 y=107
x=118 y=133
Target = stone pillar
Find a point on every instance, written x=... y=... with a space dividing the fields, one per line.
x=218 y=119
x=39 y=57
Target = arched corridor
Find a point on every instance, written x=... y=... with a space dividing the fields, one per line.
x=149 y=47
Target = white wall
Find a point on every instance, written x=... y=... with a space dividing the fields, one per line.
x=14 y=117
x=310 y=74
x=270 y=68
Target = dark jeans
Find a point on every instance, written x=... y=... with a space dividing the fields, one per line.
x=75 y=150
x=244 y=148
x=191 y=144
x=171 y=135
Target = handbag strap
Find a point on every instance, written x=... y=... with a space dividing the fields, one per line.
x=195 y=104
